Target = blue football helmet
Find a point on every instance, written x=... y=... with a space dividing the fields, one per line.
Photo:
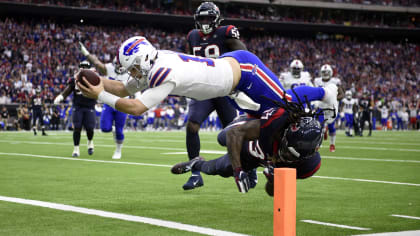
x=301 y=140
x=207 y=17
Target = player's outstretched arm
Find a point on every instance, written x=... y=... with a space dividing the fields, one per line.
x=129 y=106
x=93 y=59
x=115 y=87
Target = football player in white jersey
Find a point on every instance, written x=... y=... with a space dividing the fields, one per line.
x=109 y=115
x=350 y=108
x=384 y=116
x=326 y=78
x=167 y=72
x=295 y=76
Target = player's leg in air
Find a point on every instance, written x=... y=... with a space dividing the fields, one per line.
x=89 y=122
x=259 y=83
x=120 y=119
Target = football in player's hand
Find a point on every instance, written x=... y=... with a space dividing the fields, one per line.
x=90 y=76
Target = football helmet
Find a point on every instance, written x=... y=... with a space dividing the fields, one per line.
x=207 y=17
x=348 y=94
x=117 y=66
x=326 y=72
x=136 y=55
x=84 y=64
x=295 y=68
x=301 y=140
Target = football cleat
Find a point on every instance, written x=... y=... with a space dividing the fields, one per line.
x=116 y=156
x=185 y=167
x=332 y=148
x=75 y=154
x=90 y=147
x=195 y=181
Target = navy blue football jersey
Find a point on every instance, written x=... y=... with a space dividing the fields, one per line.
x=36 y=102
x=78 y=98
x=213 y=44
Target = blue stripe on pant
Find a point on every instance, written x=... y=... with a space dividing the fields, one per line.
x=108 y=117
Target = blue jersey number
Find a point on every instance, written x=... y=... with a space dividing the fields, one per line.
x=187 y=58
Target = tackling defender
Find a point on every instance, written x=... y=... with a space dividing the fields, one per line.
x=325 y=79
x=283 y=137
x=168 y=72
x=109 y=115
x=208 y=40
x=83 y=112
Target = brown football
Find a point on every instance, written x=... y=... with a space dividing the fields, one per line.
x=91 y=76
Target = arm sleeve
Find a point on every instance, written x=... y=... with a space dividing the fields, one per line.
x=109 y=68
x=153 y=96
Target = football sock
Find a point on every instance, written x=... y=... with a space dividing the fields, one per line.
x=332 y=139
x=119 y=146
x=193 y=144
x=76 y=138
x=89 y=134
x=76 y=149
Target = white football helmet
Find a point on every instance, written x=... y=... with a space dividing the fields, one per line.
x=139 y=54
x=326 y=72
x=296 y=67
x=348 y=94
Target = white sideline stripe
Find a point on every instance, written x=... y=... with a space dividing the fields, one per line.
x=201 y=151
x=408 y=217
x=367 y=159
x=366 y=180
x=182 y=149
x=88 y=160
x=107 y=214
x=6 y=154
x=401 y=233
x=334 y=225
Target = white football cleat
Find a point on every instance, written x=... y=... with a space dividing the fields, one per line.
x=116 y=156
x=76 y=152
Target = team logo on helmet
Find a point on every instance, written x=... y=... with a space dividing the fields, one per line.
x=133 y=47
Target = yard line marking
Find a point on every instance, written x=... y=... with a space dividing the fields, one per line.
x=103 y=145
x=334 y=225
x=366 y=180
x=5 y=154
x=367 y=159
x=147 y=147
x=120 y=216
x=201 y=151
x=408 y=217
x=88 y=160
x=401 y=233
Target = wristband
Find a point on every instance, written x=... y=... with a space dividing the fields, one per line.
x=108 y=98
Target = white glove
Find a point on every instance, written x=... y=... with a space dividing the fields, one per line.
x=83 y=49
x=58 y=99
x=244 y=102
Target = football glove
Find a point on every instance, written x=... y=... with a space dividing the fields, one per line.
x=269 y=173
x=83 y=49
x=242 y=180
x=58 y=99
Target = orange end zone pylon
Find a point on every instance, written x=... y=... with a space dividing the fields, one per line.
x=284 y=213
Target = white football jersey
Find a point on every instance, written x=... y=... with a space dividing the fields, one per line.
x=318 y=82
x=288 y=81
x=384 y=112
x=110 y=71
x=348 y=105
x=194 y=77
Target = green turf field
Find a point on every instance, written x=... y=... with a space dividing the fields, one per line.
x=362 y=184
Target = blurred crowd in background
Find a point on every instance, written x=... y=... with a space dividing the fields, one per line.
x=39 y=56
